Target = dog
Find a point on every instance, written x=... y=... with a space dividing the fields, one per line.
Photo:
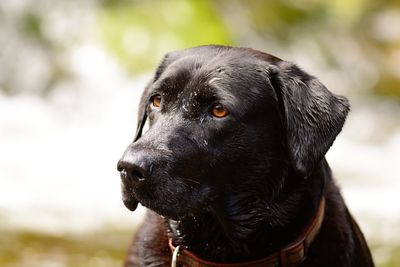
x=232 y=168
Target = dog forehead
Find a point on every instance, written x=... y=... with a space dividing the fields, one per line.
x=226 y=72
x=191 y=82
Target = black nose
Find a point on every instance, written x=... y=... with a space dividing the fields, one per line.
x=136 y=167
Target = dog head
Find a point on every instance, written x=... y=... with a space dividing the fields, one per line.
x=225 y=122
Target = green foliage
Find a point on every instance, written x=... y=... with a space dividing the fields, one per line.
x=355 y=39
x=106 y=247
x=385 y=255
x=31 y=24
x=278 y=19
x=389 y=86
x=339 y=34
x=141 y=32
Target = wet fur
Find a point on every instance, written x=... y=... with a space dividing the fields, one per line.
x=243 y=187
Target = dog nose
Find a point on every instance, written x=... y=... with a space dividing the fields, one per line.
x=136 y=168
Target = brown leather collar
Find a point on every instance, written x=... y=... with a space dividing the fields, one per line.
x=290 y=256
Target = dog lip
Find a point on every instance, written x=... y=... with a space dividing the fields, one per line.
x=131 y=203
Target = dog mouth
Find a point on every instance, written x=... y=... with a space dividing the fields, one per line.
x=171 y=200
x=127 y=189
x=131 y=203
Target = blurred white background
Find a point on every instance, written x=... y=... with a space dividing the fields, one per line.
x=69 y=89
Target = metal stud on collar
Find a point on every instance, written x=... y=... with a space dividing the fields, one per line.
x=175 y=256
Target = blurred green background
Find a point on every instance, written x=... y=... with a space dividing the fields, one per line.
x=58 y=54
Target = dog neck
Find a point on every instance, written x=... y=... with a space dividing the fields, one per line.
x=251 y=233
x=292 y=254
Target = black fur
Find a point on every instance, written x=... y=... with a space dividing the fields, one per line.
x=236 y=188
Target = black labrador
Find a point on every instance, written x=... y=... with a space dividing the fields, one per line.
x=232 y=168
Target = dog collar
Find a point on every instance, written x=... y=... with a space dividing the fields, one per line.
x=290 y=256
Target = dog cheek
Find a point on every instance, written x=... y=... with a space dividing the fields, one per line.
x=183 y=200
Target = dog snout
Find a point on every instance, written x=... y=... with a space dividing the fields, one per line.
x=136 y=168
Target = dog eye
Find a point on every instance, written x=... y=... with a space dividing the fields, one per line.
x=156 y=101
x=218 y=110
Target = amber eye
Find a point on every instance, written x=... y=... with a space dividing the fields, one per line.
x=219 y=111
x=156 y=101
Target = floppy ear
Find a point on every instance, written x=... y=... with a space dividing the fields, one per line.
x=142 y=115
x=312 y=115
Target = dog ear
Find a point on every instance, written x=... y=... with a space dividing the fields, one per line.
x=142 y=115
x=312 y=115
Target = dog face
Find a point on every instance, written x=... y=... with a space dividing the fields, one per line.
x=226 y=125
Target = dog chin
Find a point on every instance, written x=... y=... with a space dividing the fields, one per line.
x=166 y=211
x=169 y=214
x=131 y=203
